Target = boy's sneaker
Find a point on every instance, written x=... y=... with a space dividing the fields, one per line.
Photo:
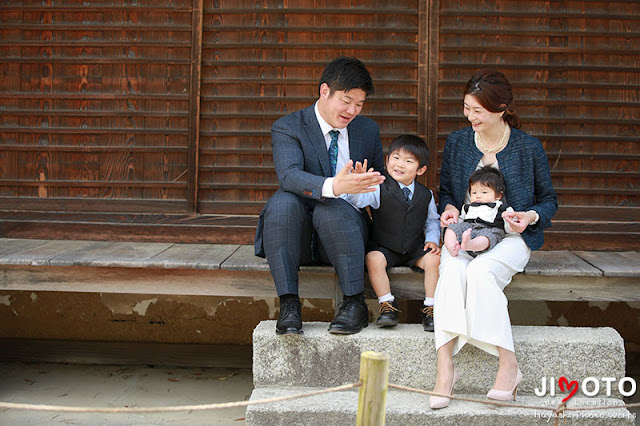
x=388 y=315
x=427 y=318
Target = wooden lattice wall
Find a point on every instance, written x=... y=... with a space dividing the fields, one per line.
x=150 y=120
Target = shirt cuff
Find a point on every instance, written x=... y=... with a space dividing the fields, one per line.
x=537 y=217
x=327 y=188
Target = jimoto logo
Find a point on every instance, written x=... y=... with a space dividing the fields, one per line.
x=590 y=386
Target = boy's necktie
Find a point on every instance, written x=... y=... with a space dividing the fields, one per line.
x=333 y=151
x=407 y=194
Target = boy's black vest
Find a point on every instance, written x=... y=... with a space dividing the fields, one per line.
x=396 y=225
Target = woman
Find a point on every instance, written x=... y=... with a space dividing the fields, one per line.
x=470 y=304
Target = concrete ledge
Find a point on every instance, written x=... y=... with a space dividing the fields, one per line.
x=320 y=359
x=410 y=408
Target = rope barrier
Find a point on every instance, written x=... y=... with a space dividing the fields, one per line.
x=557 y=412
x=69 y=409
x=35 y=407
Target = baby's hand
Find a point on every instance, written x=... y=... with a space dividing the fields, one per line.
x=433 y=246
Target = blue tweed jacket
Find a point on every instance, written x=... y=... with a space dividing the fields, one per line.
x=525 y=168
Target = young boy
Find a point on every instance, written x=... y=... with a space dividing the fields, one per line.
x=480 y=225
x=406 y=228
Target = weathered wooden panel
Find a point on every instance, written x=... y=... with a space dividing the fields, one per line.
x=263 y=60
x=95 y=103
x=575 y=69
x=101 y=109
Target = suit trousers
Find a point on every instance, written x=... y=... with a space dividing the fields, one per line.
x=469 y=299
x=299 y=231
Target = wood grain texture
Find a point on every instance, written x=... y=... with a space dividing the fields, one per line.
x=98 y=77
x=231 y=270
x=167 y=107
x=618 y=264
x=260 y=63
x=567 y=63
x=128 y=280
x=559 y=263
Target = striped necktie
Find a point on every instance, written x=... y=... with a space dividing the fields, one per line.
x=407 y=194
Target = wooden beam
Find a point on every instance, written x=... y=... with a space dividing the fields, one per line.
x=423 y=90
x=194 y=105
x=189 y=282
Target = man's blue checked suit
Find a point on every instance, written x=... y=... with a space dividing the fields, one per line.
x=285 y=230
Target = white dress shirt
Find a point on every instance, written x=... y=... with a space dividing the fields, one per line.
x=343 y=151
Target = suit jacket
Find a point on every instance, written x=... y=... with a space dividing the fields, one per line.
x=524 y=166
x=301 y=159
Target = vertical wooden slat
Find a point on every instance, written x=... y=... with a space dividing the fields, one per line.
x=431 y=100
x=194 y=106
x=423 y=87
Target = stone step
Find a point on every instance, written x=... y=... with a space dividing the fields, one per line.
x=320 y=359
x=409 y=408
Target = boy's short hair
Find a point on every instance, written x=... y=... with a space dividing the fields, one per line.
x=413 y=145
x=346 y=73
x=489 y=177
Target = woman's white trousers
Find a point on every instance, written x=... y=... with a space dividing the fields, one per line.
x=469 y=299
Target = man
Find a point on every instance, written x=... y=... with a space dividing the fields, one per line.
x=308 y=220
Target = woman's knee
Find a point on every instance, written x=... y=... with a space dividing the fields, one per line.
x=449 y=263
x=479 y=267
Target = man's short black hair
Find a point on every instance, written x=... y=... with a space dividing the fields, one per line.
x=413 y=145
x=346 y=73
x=489 y=177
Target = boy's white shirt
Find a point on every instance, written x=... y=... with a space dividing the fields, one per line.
x=372 y=199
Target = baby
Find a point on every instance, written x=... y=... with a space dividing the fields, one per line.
x=480 y=225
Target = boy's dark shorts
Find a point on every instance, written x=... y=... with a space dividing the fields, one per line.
x=398 y=259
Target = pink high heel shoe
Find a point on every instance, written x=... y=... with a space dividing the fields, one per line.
x=437 y=402
x=508 y=395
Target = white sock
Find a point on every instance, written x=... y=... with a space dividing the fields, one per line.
x=428 y=301
x=386 y=298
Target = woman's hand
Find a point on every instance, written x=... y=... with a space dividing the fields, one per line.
x=449 y=215
x=518 y=221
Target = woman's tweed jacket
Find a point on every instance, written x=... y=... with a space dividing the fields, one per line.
x=524 y=166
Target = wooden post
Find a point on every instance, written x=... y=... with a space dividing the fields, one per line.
x=193 y=161
x=374 y=371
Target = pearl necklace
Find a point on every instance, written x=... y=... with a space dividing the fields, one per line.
x=503 y=142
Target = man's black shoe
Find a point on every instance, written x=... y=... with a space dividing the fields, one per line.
x=290 y=318
x=352 y=317
x=388 y=315
x=427 y=318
